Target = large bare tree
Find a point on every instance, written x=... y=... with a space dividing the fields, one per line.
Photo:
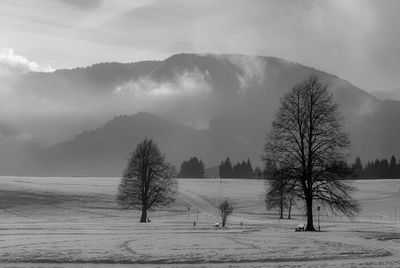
x=308 y=145
x=148 y=180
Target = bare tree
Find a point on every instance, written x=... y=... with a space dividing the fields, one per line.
x=292 y=201
x=280 y=193
x=148 y=180
x=225 y=209
x=307 y=143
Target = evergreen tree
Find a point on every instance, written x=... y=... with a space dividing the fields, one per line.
x=249 y=169
x=384 y=168
x=358 y=167
x=193 y=168
x=236 y=170
x=257 y=172
x=221 y=169
x=242 y=170
x=381 y=169
x=225 y=169
x=393 y=167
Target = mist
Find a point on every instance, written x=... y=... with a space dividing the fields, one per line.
x=53 y=112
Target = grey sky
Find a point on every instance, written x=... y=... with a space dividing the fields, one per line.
x=358 y=40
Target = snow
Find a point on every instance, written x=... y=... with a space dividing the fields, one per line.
x=75 y=222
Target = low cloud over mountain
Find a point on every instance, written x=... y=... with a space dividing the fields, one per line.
x=12 y=64
x=222 y=104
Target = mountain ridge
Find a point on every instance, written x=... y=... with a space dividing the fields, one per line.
x=227 y=100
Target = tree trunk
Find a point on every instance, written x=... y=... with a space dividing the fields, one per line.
x=144 y=215
x=281 y=200
x=290 y=209
x=310 y=223
x=223 y=222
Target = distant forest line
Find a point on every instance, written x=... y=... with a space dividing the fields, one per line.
x=378 y=169
x=195 y=168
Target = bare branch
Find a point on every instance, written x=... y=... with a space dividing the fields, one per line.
x=306 y=145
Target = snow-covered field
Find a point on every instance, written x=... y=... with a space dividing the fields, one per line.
x=75 y=222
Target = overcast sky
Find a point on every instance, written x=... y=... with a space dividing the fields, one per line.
x=358 y=40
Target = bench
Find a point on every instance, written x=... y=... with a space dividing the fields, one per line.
x=300 y=227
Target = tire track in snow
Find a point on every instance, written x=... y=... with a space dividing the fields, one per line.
x=253 y=246
x=125 y=246
x=15 y=213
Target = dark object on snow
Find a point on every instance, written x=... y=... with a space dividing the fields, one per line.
x=300 y=227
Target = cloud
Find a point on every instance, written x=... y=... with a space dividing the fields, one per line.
x=12 y=64
x=389 y=94
x=187 y=91
x=354 y=39
x=252 y=70
x=84 y=4
x=182 y=84
x=53 y=115
x=148 y=94
x=17 y=138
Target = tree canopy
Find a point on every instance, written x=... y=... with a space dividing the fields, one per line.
x=148 y=181
x=307 y=144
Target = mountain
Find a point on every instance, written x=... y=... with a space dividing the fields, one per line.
x=205 y=105
x=104 y=151
x=98 y=78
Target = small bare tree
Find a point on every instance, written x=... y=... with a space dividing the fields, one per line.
x=148 y=181
x=280 y=193
x=225 y=209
